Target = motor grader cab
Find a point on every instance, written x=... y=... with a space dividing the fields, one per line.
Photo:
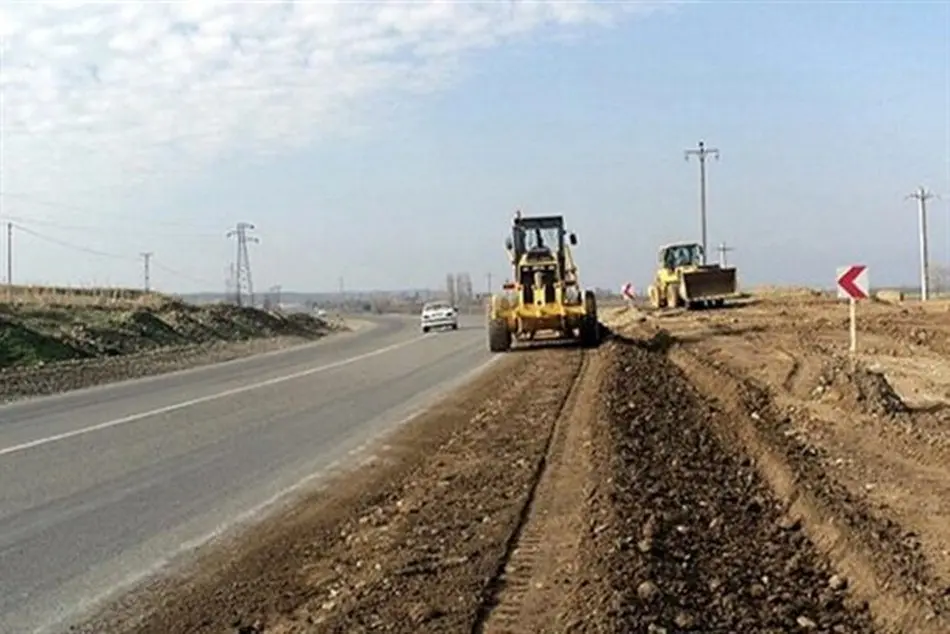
x=544 y=295
x=682 y=279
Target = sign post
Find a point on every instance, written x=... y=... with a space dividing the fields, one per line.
x=852 y=283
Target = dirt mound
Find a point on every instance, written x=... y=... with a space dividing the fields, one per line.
x=875 y=394
x=50 y=349
x=859 y=388
x=32 y=335
x=698 y=541
x=20 y=345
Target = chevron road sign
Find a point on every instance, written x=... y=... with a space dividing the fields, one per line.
x=853 y=282
x=852 y=286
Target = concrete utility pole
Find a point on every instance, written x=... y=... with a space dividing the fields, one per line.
x=10 y=258
x=229 y=280
x=489 y=284
x=242 y=267
x=145 y=259
x=922 y=196
x=723 y=249
x=702 y=152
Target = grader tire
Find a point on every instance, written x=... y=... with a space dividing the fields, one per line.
x=672 y=296
x=499 y=339
x=590 y=326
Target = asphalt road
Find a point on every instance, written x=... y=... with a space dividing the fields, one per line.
x=101 y=486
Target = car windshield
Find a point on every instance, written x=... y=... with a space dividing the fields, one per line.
x=436 y=306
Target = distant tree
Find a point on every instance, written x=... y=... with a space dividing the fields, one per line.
x=939 y=278
x=463 y=288
x=450 y=288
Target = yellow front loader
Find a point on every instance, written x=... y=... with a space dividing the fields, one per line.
x=544 y=295
x=682 y=279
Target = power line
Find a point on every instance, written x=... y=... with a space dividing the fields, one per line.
x=70 y=245
x=177 y=273
x=150 y=261
x=22 y=220
x=40 y=202
x=702 y=152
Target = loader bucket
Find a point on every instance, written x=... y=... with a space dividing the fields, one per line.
x=709 y=283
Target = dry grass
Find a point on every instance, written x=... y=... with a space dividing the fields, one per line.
x=66 y=297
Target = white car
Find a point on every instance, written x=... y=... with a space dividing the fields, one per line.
x=439 y=315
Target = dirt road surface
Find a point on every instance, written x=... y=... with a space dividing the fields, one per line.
x=718 y=471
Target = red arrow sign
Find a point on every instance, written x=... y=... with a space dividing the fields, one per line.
x=852 y=281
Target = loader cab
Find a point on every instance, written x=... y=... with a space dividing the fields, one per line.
x=674 y=256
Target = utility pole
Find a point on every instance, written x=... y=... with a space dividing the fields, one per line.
x=145 y=258
x=242 y=267
x=702 y=152
x=489 y=284
x=10 y=259
x=723 y=249
x=922 y=196
x=229 y=281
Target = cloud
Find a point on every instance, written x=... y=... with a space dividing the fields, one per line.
x=106 y=93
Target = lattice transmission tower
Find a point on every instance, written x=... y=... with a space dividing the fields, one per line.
x=243 y=282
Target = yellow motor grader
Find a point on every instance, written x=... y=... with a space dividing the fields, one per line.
x=682 y=279
x=544 y=296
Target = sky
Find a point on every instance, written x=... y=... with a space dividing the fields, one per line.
x=389 y=143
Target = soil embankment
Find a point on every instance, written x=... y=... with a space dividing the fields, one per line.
x=62 y=343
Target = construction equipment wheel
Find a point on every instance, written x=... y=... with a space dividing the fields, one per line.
x=590 y=326
x=655 y=300
x=672 y=295
x=499 y=338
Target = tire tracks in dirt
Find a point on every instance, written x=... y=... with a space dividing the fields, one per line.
x=527 y=593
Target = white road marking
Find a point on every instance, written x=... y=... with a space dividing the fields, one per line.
x=203 y=399
x=142 y=380
x=337 y=468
